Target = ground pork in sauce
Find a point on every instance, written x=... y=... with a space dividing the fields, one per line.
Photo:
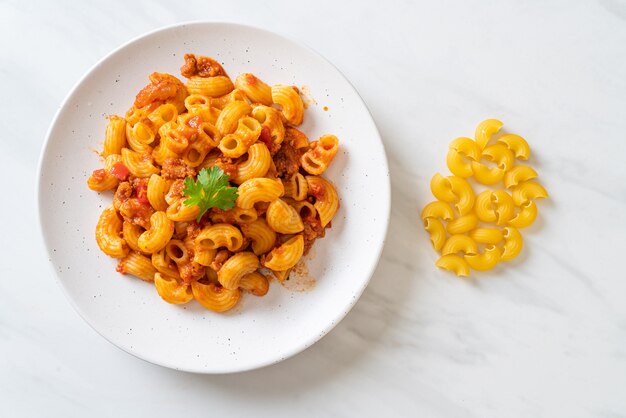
x=175 y=168
x=201 y=66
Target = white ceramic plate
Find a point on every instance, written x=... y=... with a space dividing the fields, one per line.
x=259 y=331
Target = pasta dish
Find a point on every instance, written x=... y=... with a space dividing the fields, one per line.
x=215 y=189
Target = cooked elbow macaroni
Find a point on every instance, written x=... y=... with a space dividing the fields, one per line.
x=247 y=128
x=456 y=221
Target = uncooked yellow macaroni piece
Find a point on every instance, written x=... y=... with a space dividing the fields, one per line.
x=519 y=174
x=437 y=232
x=459 y=243
x=484 y=261
x=463 y=224
x=215 y=189
x=462 y=152
x=458 y=221
x=525 y=216
x=438 y=209
x=455 y=263
x=517 y=144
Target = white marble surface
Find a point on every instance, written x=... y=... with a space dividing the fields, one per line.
x=544 y=337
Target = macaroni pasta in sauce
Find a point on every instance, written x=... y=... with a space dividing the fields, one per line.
x=214 y=187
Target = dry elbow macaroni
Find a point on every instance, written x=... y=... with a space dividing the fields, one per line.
x=247 y=129
x=456 y=221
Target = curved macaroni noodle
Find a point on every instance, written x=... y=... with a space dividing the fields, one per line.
x=326 y=198
x=437 y=232
x=157 y=237
x=140 y=165
x=157 y=189
x=138 y=265
x=459 y=243
x=131 y=233
x=164 y=265
x=286 y=255
x=519 y=174
x=487 y=175
x=484 y=261
x=296 y=187
x=108 y=231
x=486 y=235
x=455 y=263
x=172 y=290
x=163 y=114
x=462 y=224
x=256 y=165
x=485 y=130
x=439 y=210
x=210 y=86
x=517 y=144
x=495 y=206
x=271 y=119
x=255 y=283
x=464 y=194
x=459 y=150
x=115 y=136
x=102 y=180
x=220 y=235
x=262 y=236
x=527 y=191
x=254 y=89
x=283 y=218
x=235 y=268
x=321 y=153
x=215 y=297
x=258 y=190
x=179 y=212
x=526 y=216
x=441 y=188
x=499 y=154
x=230 y=115
x=513 y=243
x=288 y=98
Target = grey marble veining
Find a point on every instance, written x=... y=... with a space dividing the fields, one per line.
x=543 y=336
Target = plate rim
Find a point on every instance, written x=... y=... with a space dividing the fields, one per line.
x=40 y=215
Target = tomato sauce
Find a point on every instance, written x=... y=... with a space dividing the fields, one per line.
x=120 y=171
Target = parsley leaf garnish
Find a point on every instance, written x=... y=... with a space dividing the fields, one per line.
x=210 y=190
